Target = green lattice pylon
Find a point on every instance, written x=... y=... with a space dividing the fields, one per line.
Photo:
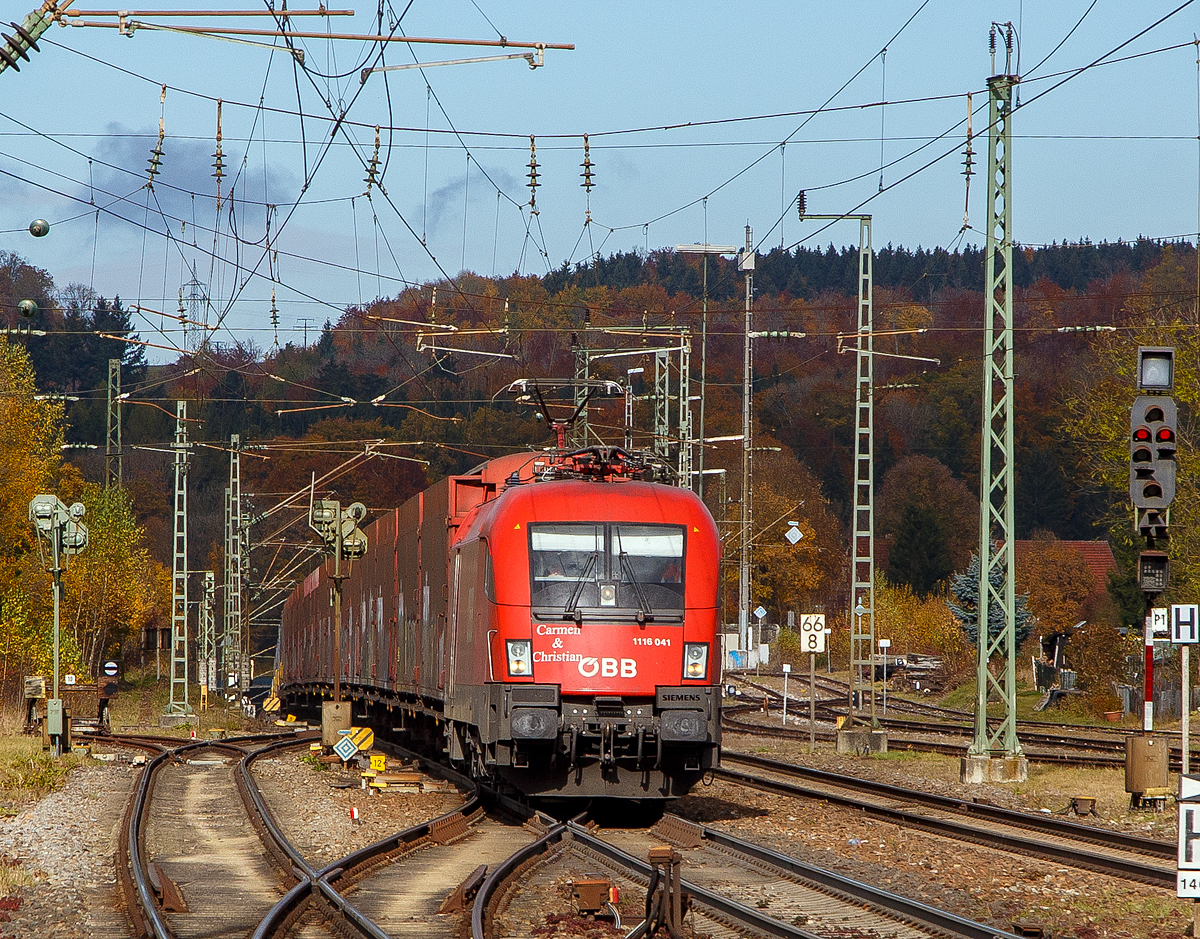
x=996 y=528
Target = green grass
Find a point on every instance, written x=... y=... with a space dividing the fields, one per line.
x=13 y=875
x=27 y=771
x=901 y=756
x=1073 y=711
x=141 y=687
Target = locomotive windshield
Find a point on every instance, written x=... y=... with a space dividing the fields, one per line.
x=614 y=570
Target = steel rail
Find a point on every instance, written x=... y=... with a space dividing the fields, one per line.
x=319 y=884
x=496 y=879
x=740 y=914
x=1073 y=856
x=951 y=748
x=952 y=718
x=148 y=911
x=856 y=890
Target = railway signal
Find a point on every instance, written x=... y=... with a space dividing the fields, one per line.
x=342 y=539
x=61 y=533
x=1152 y=471
x=1152 y=460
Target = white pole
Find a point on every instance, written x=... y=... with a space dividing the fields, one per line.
x=786 y=670
x=1186 y=728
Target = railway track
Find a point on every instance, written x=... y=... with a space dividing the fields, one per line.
x=1069 y=745
x=1117 y=854
x=186 y=825
x=951 y=720
x=736 y=888
x=394 y=886
x=195 y=867
x=263 y=888
x=933 y=740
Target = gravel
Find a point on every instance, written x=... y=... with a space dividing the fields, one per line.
x=65 y=845
x=316 y=816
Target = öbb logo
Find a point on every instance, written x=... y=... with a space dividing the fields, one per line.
x=589 y=667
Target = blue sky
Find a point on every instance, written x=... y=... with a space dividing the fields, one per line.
x=1111 y=153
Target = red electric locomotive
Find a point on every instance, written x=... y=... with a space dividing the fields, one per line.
x=549 y=620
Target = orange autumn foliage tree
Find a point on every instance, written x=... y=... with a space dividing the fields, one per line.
x=924 y=626
x=30 y=440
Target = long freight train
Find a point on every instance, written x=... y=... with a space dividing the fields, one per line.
x=549 y=620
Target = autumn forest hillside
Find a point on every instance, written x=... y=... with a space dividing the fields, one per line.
x=1081 y=311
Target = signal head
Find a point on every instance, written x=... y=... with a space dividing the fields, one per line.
x=1152 y=467
x=1156 y=368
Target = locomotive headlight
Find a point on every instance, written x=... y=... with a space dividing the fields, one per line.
x=695 y=659
x=518 y=656
x=608 y=594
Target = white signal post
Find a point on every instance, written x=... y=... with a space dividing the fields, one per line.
x=885 y=644
x=1185 y=631
x=787 y=670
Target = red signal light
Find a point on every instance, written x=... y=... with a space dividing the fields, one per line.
x=1164 y=435
x=1142 y=435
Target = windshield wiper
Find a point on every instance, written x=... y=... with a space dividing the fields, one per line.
x=644 y=611
x=571 y=610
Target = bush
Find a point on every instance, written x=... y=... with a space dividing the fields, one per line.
x=787 y=648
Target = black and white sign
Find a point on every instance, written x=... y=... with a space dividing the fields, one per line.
x=1185 y=623
x=1188 y=884
x=111 y=668
x=1188 y=860
x=812 y=633
x=1160 y=620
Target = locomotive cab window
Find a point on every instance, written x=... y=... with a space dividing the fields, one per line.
x=617 y=570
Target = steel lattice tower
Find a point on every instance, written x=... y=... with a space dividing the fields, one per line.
x=231 y=641
x=578 y=434
x=662 y=405
x=685 y=408
x=179 y=572
x=112 y=448
x=862 y=548
x=226 y=600
x=862 y=571
x=206 y=654
x=997 y=568
x=745 y=566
